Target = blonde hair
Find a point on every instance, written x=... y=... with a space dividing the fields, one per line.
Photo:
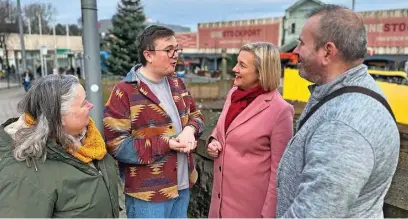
x=267 y=63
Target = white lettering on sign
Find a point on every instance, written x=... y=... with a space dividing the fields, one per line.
x=392 y=38
x=216 y=34
x=377 y=28
x=230 y=41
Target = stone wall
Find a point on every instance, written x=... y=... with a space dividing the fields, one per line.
x=210 y=91
x=200 y=197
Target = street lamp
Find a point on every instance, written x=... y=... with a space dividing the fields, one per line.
x=21 y=30
x=91 y=57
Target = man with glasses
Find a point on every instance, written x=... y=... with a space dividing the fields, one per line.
x=151 y=125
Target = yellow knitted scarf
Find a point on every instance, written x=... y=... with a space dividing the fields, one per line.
x=93 y=145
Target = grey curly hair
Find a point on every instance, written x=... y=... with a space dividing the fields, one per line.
x=49 y=99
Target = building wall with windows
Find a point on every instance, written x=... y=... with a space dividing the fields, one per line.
x=295 y=17
x=61 y=50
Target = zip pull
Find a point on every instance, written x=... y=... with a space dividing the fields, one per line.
x=30 y=160
x=97 y=167
x=35 y=165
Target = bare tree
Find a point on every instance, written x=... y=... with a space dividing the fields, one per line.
x=79 y=22
x=74 y=29
x=60 y=29
x=8 y=16
x=36 y=11
x=8 y=11
x=8 y=24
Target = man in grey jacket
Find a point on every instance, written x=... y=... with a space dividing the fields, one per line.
x=340 y=163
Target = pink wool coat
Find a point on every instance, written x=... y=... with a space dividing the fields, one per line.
x=245 y=169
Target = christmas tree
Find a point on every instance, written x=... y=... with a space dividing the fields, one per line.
x=121 y=43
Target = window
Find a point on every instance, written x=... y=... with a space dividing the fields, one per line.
x=293 y=28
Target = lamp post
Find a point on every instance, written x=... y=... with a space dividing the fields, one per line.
x=91 y=60
x=20 y=25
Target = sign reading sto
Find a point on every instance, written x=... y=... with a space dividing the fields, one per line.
x=236 y=36
x=387 y=32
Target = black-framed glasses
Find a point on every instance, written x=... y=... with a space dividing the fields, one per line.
x=170 y=52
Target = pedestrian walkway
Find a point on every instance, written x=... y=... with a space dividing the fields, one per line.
x=6 y=84
x=9 y=99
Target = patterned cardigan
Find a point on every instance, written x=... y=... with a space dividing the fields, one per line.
x=137 y=131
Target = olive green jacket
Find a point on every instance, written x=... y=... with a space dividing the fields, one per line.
x=62 y=186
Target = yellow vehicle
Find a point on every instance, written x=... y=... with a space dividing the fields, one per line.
x=394 y=84
x=397 y=77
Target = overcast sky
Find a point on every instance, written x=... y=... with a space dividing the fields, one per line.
x=190 y=12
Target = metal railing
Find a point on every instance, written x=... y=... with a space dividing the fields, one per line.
x=9 y=80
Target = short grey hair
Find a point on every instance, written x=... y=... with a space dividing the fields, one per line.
x=49 y=99
x=344 y=28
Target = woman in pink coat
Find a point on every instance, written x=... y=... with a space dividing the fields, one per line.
x=250 y=138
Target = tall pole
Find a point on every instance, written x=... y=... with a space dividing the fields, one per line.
x=92 y=60
x=40 y=26
x=55 y=48
x=68 y=46
x=29 y=26
x=354 y=5
x=41 y=42
x=20 y=24
x=67 y=36
x=224 y=70
x=7 y=69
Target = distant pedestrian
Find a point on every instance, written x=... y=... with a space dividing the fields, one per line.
x=28 y=78
x=78 y=72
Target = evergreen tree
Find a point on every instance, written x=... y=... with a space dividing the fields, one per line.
x=121 y=43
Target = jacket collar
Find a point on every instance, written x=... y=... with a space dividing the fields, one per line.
x=266 y=96
x=131 y=76
x=320 y=91
x=54 y=150
x=258 y=105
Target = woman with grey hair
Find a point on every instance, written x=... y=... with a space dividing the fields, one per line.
x=53 y=160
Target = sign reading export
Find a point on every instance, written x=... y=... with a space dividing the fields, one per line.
x=241 y=33
x=236 y=36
